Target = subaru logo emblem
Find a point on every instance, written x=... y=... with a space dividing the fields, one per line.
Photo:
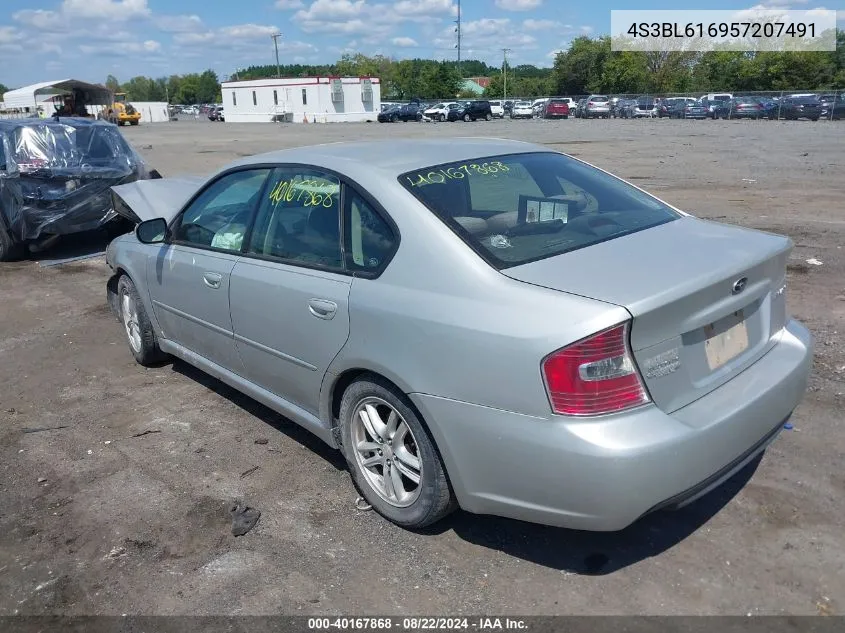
x=739 y=285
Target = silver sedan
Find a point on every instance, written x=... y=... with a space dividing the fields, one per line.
x=474 y=323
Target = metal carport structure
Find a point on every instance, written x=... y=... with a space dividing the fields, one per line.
x=32 y=96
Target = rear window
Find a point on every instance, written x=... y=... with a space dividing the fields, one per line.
x=599 y=99
x=519 y=208
x=558 y=101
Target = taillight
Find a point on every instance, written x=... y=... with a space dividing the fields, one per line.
x=595 y=375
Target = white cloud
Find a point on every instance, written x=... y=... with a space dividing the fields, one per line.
x=178 y=23
x=109 y=9
x=9 y=35
x=586 y=30
x=246 y=31
x=426 y=7
x=49 y=21
x=403 y=41
x=518 y=5
x=124 y=50
x=377 y=20
x=539 y=25
x=289 y=4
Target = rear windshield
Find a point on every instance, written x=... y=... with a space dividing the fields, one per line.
x=598 y=99
x=558 y=101
x=518 y=208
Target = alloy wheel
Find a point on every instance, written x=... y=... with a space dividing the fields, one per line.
x=386 y=451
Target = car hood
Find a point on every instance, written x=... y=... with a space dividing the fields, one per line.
x=161 y=198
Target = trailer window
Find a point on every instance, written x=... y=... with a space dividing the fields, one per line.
x=275 y=98
x=254 y=98
x=304 y=97
x=234 y=98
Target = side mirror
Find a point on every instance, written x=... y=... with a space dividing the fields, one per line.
x=152 y=231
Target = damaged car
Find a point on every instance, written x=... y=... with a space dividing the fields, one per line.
x=55 y=179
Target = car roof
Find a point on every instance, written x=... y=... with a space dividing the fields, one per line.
x=394 y=156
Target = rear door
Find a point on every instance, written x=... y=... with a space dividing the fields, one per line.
x=189 y=279
x=290 y=292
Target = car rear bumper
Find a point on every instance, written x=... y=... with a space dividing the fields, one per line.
x=604 y=473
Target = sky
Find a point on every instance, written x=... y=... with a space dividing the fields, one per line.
x=44 y=40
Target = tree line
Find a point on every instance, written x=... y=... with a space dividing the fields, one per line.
x=587 y=66
x=187 y=89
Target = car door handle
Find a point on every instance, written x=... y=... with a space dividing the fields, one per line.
x=212 y=280
x=322 y=308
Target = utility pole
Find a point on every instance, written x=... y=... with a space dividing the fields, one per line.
x=275 y=38
x=458 y=31
x=505 y=52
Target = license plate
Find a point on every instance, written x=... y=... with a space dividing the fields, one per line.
x=725 y=339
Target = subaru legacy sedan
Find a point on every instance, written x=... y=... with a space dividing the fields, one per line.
x=474 y=323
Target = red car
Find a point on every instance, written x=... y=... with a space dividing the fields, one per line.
x=556 y=108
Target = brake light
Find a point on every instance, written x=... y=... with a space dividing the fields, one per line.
x=596 y=375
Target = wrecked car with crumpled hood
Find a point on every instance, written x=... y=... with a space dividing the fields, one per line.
x=56 y=177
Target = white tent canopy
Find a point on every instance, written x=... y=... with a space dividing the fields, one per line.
x=31 y=96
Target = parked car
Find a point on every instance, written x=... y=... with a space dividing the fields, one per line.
x=497 y=109
x=580 y=400
x=55 y=179
x=472 y=111
x=389 y=114
x=580 y=108
x=642 y=107
x=673 y=107
x=404 y=113
x=739 y=108
x=439 y=111
x=508 y=106
x=694 y=110
x=217 y=114
x=522 y=110
x=770 y=108
x=832 y=107
x=598 y=106
x=556 y=109
x=538 y=106
x=794 y=108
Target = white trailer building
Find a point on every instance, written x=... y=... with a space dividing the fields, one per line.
x=302 y=99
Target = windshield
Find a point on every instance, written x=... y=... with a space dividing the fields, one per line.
x=519 y=208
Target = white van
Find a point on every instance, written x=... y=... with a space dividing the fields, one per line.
x=718 y=96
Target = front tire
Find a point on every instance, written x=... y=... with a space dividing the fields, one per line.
x=442 y=118
x=488 y=117
x=9 y=249
x=142 y=339
x=391 y=456
x=467 y=118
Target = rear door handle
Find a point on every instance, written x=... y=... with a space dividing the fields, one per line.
x=212 y=280
x=322 y=308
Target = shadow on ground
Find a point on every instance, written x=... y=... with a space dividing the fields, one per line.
x=579 y=552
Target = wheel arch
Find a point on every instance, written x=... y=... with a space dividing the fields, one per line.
x=334 y=386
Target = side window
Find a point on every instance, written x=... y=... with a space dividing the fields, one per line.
x=299 y=219
x=369 y=238
x=219 y=217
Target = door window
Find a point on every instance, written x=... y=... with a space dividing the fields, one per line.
x=299 y=219
x=220 y=215
x=369 y=239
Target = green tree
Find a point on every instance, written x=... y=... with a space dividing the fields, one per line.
x=3 y=90
x=579 y=69
x=112 y=83
x=188 y=91
x=208 y=87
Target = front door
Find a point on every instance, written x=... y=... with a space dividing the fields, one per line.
x=189 y=280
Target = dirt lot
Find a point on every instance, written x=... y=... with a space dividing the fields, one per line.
x=96 y=521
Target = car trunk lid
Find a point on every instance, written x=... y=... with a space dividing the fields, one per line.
x=707 y=299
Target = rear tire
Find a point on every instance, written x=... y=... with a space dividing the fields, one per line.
x=488 y=117
x=142 y=339
x=431 y=498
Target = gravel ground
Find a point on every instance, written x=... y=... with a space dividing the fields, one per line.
x=96 y=521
